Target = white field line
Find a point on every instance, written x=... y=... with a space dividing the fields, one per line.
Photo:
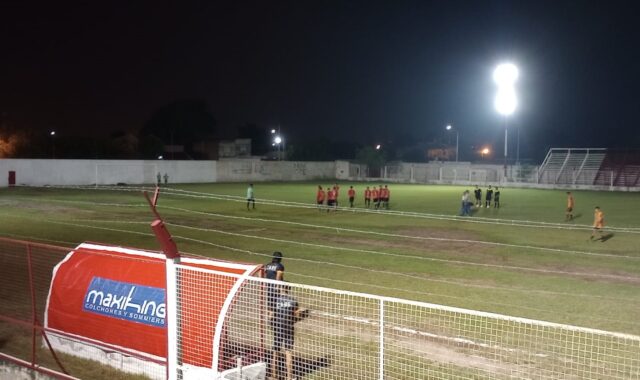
x=366 y=269
x=381 y=253
x=375 y=233
x=354 y=267
x=337 y=229
x=475 y=219
x=406 y=330
x=387 y=288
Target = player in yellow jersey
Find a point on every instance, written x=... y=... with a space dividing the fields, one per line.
x=598 y=222
x=570 y=204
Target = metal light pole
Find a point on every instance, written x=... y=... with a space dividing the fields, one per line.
x=505 y=76
x=449 y=127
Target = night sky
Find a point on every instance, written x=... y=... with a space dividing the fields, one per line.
x=363 y=71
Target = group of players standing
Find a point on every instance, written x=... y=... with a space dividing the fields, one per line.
x=490 y=195
x=379 y=196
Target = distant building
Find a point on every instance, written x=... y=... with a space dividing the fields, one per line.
x=238 y=148
x=441 y=154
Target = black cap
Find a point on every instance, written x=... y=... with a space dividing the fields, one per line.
x=277 y=256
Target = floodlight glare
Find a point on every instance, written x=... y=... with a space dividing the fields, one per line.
x=505 y=74
x=278 y=140
x=485 y=151
x=273 y=131
x=448 y=127
x=378 y=147
x=53 y=133
x=506 y=101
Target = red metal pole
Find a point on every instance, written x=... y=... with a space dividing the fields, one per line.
x=33 y=307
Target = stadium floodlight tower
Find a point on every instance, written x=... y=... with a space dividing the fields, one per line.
x=505 y=76
x=448 y=128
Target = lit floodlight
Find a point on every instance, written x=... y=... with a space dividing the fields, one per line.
x=53 y=133
x=485 y=151
x=505 y=74
x=378 y=147
x=277 y=140
x=448 y=127
x=273 y=131
x=160 y=157
x=506 y=101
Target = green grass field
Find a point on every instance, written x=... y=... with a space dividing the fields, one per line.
x=520 y=260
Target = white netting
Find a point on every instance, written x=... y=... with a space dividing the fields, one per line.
x=348 y=335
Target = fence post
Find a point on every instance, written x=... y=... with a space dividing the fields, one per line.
x=172 y=260
x=34 y=318
x=381 y=366
x=172 y=318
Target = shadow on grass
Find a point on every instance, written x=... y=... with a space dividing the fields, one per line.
x=606 y=237
x=302 y=366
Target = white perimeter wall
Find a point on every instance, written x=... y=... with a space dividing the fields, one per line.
x=34 y=172
x=256 y=170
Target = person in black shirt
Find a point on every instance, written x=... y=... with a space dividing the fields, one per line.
x=489 y=195
x=286 y=314
x=273 y=271
x=496 y=198
x=478 y=195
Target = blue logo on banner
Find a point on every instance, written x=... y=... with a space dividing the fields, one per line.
x=136 y=303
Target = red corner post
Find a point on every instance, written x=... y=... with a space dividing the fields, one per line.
x=172 y=261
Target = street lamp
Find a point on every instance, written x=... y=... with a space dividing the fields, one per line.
x=276 y=142
x=53 y=143
x=505 y=102
x=449 y=127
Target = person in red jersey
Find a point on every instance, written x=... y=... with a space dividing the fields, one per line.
x=367 y=197
x=320 y=196
x=331 y=200
x=352 y=195
x=336 y=189
x=387 y=195
x=375 y=195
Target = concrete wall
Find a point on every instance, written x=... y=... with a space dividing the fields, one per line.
x=109 y=172
x=256 y=171
x=104 y=172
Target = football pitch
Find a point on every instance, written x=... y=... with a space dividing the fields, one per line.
x=522 y=259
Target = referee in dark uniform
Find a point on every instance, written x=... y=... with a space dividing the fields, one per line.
x=273 y=271
x=285 y=315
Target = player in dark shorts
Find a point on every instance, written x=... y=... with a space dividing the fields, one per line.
x=496 y=198
x=488 y=198
x=478 y=195
x=285 y=314
x=273 y=271
x=352 y=195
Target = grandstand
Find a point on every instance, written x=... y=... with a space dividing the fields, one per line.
x=575 y=166
x=619 y=168
x=590 y=166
